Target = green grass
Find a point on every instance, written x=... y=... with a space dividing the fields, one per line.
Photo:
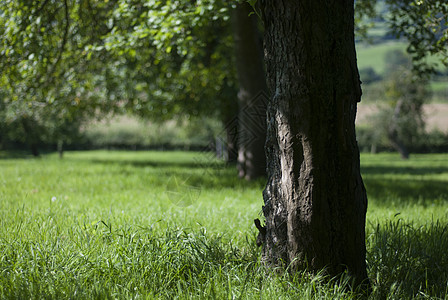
x=153 y=225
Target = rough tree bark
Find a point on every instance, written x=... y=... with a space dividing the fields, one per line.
x=314 y=202
x=252 y=94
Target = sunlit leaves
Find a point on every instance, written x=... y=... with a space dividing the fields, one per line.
x=48 y=78
x=177 y=53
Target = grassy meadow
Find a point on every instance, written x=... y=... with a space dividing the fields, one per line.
x=374 y=55
x=179 y=225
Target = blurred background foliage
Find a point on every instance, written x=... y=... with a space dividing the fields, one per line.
x=146 y=74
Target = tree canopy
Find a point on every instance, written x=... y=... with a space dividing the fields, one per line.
x=157 y=59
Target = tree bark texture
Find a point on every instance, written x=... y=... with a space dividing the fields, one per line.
x=314 y=202
x=252 y=94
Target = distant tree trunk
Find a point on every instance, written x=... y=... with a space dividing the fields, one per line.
x=252 y=94
x=231 y=141
x=34 y=150
x=31 y=137
x=393 y=131
x=229 y=112
x=315 y=200
x=60 y=148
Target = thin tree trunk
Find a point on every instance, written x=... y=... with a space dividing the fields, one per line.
x=60 y=146
x=34 y=150
x=30 y=136
x=315 y=200
x=231 y=143
x=252 y=95
x=229 y=113
x=393 y=131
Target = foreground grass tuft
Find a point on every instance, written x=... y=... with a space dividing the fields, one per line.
x=409 y=260
x=41 y=260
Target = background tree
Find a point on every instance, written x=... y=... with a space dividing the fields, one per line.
x=405 y=95
x=160 y=58
x=252 y=95
x=421 y=24
x=36 y=126
x=49 y=81
x=185 y=66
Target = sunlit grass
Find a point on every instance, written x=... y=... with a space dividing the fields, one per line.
x=164 y=225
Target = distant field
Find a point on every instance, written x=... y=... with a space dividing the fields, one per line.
x=436 y=115
x=373 y=56
x=166 y=225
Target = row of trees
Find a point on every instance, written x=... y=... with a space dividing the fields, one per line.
x=157 y=59
x=151 y=69
x=160 y=59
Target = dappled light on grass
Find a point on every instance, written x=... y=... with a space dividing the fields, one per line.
x=101 y=224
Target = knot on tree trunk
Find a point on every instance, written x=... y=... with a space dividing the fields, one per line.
x=262 y=232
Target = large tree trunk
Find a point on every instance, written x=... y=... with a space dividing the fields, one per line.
x=252 y=95
x=315 y=200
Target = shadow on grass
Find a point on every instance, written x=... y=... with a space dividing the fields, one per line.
x=405 y=190
x=15 y=155
x=405 y=184
x=406 y=260
x=205 y=171
x=403 y=170
x=157 y=164
x=200 y=173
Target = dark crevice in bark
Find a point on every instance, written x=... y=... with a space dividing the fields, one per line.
x=261 y=232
